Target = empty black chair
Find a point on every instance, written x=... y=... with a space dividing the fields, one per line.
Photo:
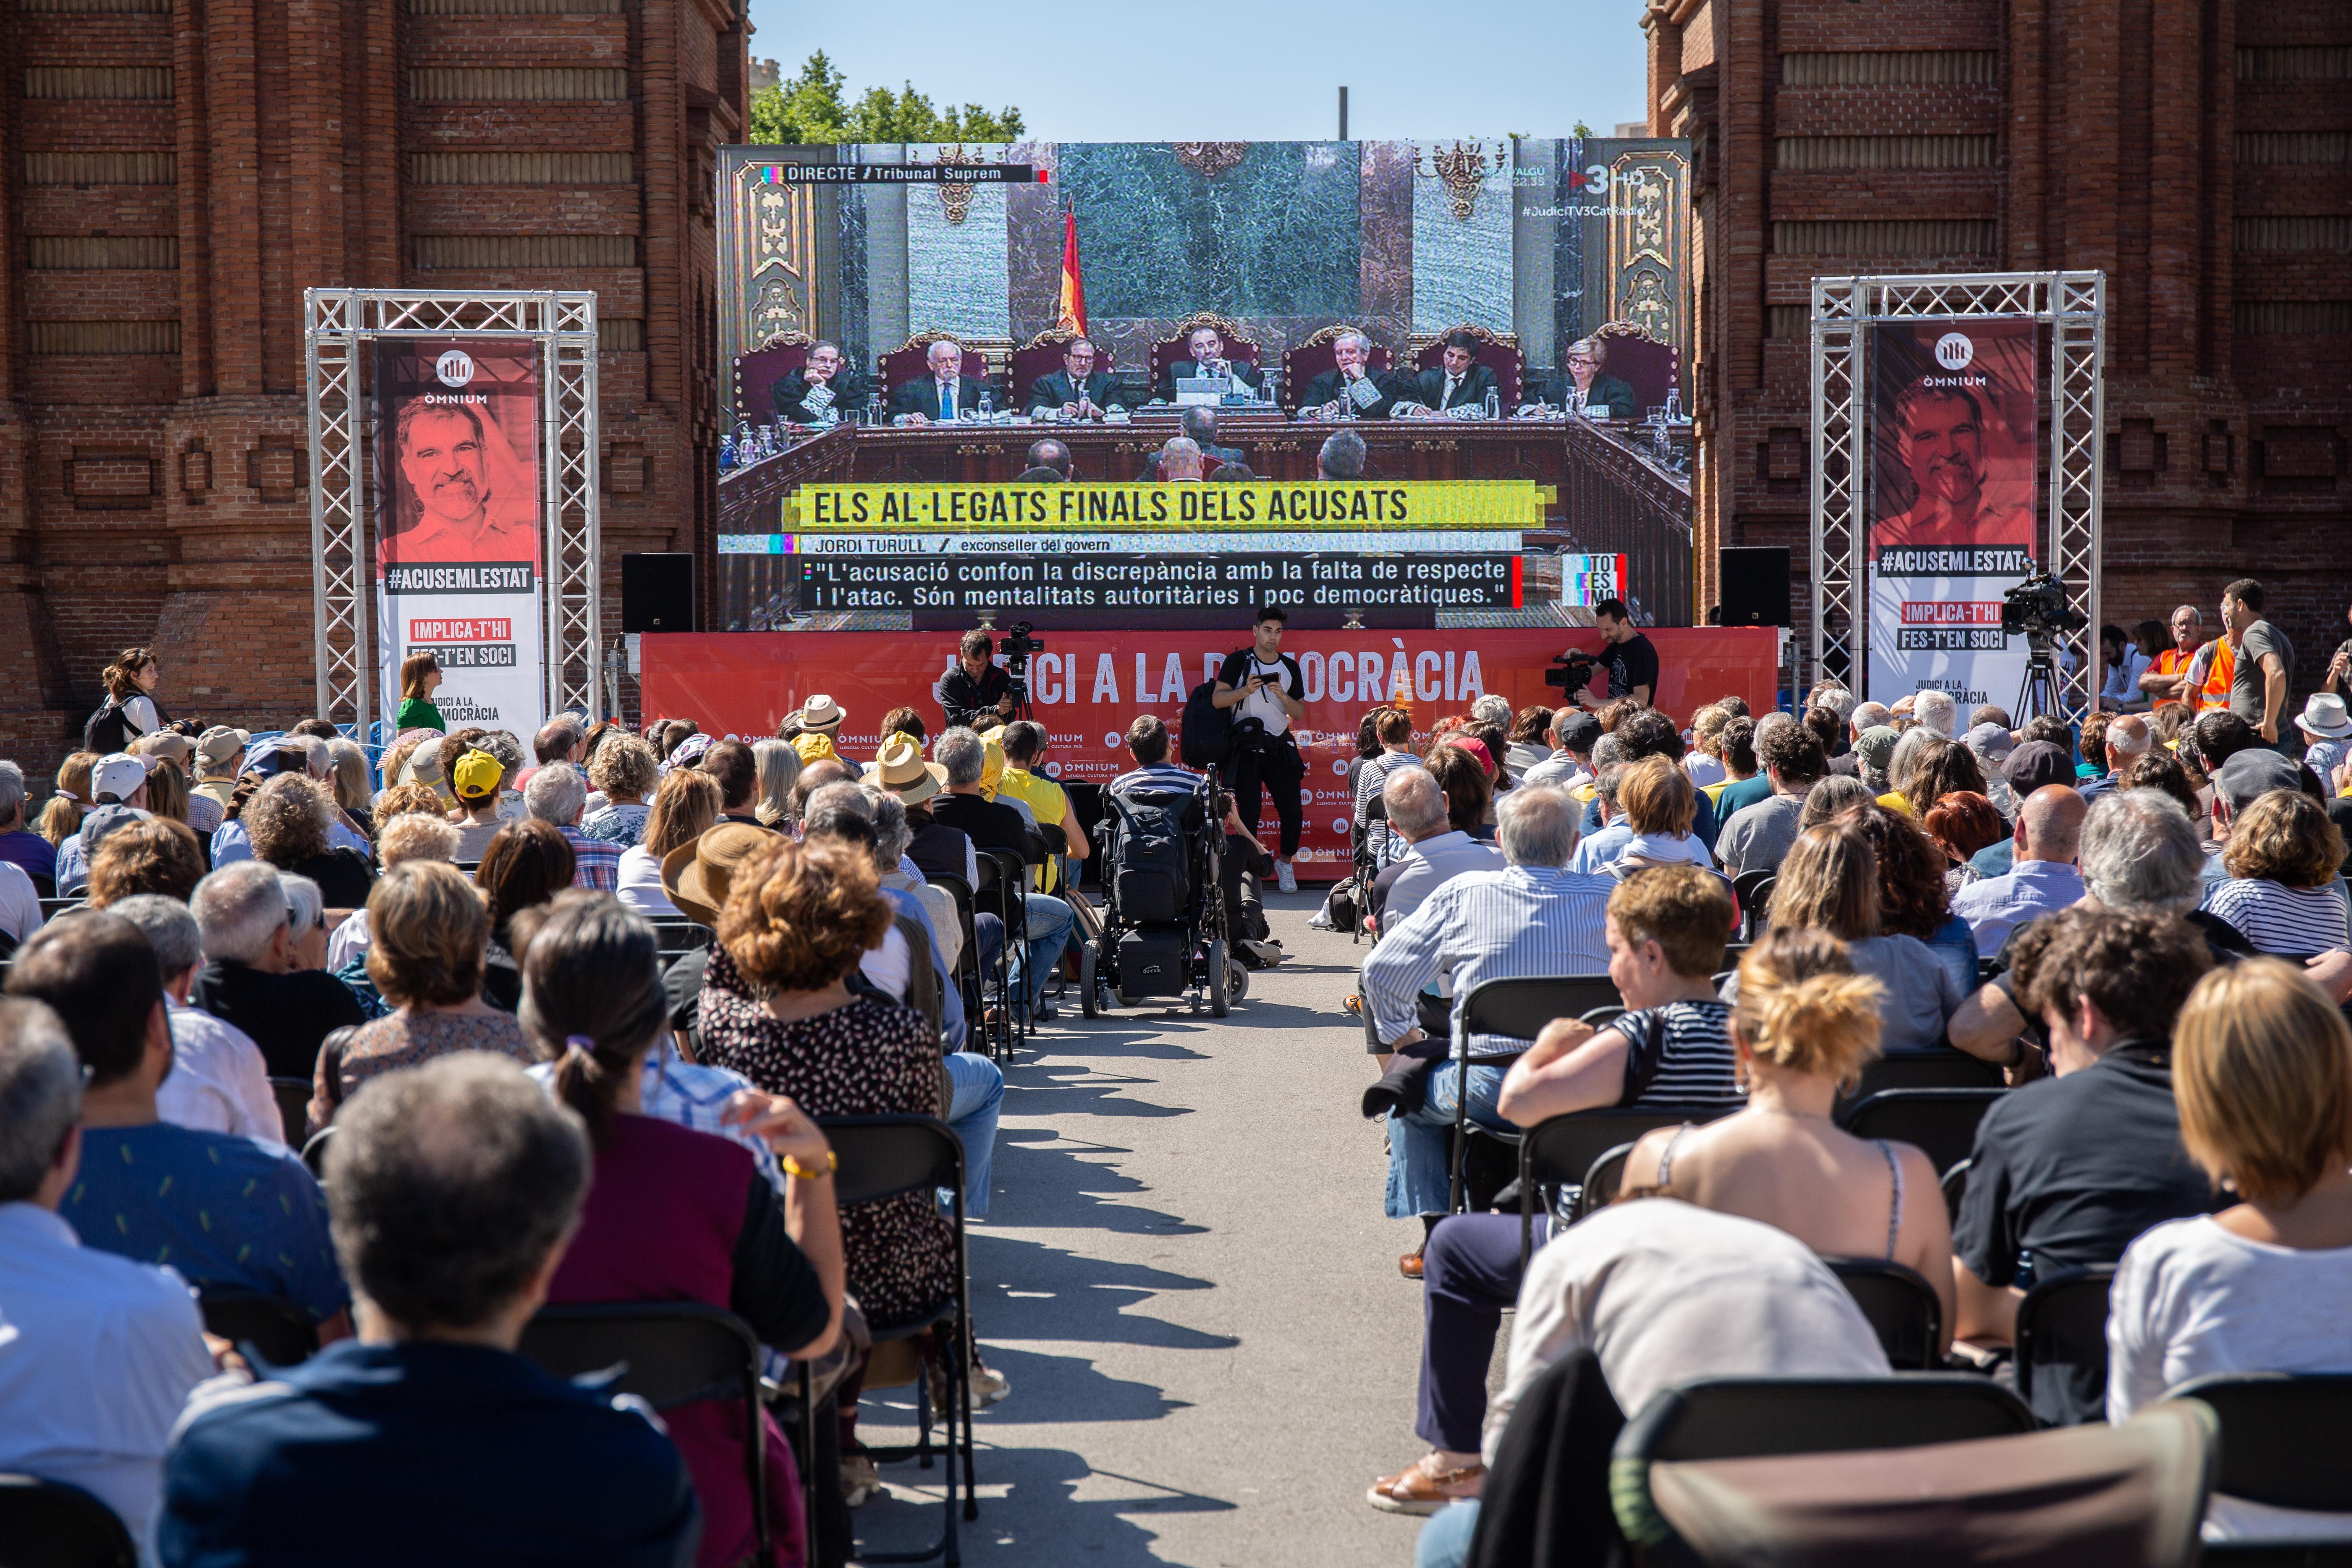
x=881 y=1157
x=1942 y=1122
x=2268 y=1421
x=1925 y=1069
x=1562 y=1151
x=1600 y=1188
x=1751 y=1417
x=293 y=1107
x=1900 y=1306
x=667 y=1353
x=49 y=1524
x=1754 y=892
x=282 y=1332
x=999 y=892
x=2062 y=1344
x=1519 y=1008
x=967 y=964
x=1955 y=1187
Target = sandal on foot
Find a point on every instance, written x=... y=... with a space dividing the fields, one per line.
x=1422 y=1489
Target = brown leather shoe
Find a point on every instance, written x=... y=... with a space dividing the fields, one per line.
x=1410 y=1264
x=1421 y=1488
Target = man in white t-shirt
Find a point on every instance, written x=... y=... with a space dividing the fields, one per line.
x=1263 y=684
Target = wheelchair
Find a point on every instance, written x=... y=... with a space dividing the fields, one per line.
x=1164 y=919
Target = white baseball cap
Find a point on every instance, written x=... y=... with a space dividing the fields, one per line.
x=119 y=774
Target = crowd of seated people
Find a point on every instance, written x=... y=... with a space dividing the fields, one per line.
x=2101 y=930
x=428 y=960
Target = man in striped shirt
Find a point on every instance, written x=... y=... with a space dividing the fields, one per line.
x=1533 y=918
x=557 y=795
x=1147 y=742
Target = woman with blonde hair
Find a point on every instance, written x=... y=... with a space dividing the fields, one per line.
x=1581 y=386
x=683 y=808
x=429 y=927
x=2284 y=856
x=1656 y=802
x=624 y=770
x=2261 y=1069
x=1805 y=1024
x=286 y=822
x=1828 y=882
x=779 y=769
x=61 y=818
x=347 y=778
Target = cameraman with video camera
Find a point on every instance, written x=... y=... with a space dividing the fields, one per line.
x=1630 y=658
x=1263 y=688
x=975 y=692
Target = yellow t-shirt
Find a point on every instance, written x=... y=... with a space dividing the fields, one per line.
x=1046 y=801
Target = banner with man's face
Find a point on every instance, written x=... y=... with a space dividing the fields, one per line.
x=1952 y=506
x=457 y=525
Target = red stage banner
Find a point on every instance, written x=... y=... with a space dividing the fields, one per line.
x=1088 y=685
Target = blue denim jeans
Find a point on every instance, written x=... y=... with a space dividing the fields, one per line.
x=1446 y=1540
x=979 y=1100
x=1049 y=930
x=1420 y=1179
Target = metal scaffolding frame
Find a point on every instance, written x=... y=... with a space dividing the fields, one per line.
x=338 y=326
x=2073 y=306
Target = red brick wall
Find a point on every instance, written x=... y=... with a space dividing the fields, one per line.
x=2133 y=136
x=161 y=497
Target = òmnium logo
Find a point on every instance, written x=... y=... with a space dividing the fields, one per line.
x=1953 y=351
x=456 y=368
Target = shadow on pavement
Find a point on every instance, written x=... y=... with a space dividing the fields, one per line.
x=1030 y=1510
x=1025 y=1290
x=1054 y=1189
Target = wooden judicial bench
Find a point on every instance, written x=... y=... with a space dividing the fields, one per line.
x=1610 y=495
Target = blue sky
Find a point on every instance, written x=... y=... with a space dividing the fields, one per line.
x=1533 y=67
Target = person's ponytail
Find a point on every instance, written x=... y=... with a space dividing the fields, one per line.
x=1802 y=1007
x=592 y=1000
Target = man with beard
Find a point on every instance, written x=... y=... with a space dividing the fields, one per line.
x=819 y=390
x=1207 y=347
x=1942 y=442
x=1373 y=393
x=440 y=446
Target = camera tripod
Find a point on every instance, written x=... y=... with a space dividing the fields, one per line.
x=2038 y=693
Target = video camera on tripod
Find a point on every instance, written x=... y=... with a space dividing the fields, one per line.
x=2038 y=609
x=1016 y=647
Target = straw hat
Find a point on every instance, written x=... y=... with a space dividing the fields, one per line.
x=900 y=769
x=821 y=713
x=696 y=876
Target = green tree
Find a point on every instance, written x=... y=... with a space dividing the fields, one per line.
x=812 y=110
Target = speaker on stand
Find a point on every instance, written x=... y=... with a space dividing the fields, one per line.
x=657 y=591
x=1755 y=591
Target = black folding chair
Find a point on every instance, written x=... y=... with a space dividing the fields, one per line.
x=282 y=1332
x=314 y=1153
x=881 y=1157
x=52 y=908
x=2270 y=1421
x=1566 y=1151
x=1754 y=892
x=293 y=1096
x=967 y=964
x=1519 y=1008
x=1955 y=1187
x=2063 y=1324
x=1927 y=1069
x=1941 y=1121
x=49 y=1524
x=1599 y=1189
x=1002 y=897
x=672 y=938
x=1900 y=1306
x=667 y=1353
x=1753 y=1417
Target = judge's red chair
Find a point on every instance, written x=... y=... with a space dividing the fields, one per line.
x=909 y=361
x=1041 y=356
x=1313 y=356
x=1497 y=354
x=1642 y=363
x=756 y=373
x=1167 y=350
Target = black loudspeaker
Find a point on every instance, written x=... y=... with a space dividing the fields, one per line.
x=1755 y=585
x=657 y=591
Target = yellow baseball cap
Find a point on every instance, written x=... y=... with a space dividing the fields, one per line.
x=477 y=776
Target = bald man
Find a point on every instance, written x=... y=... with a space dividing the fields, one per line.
x=2128 y=740
x=1180 y=460
x=2042 y=879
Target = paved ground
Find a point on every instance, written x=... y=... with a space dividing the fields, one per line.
x=1188 y=1279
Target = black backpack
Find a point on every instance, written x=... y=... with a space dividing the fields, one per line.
x=1153 y=861
x=1205 y=735
x=106 y=732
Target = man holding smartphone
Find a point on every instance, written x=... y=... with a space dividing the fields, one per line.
x=1263 y=688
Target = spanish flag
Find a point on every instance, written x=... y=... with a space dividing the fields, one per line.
x=1073 y=315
